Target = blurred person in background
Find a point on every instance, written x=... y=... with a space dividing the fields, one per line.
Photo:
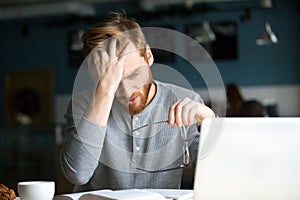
x=234 y=100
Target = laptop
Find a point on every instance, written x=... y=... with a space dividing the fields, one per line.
x=248 y=159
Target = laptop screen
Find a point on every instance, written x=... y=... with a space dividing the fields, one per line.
x=248 y=158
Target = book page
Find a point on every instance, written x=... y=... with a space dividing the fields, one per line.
x=76 y=196
x=175 y=193
x=130 y=194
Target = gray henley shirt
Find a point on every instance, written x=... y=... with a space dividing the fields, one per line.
x=97 y=157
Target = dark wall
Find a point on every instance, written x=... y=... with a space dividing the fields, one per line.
x=42 y=43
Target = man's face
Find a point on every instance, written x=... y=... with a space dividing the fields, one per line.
x=134 y=88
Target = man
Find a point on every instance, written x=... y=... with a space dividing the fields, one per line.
x=104 y=147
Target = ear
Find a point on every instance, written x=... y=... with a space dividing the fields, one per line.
x=149 y=55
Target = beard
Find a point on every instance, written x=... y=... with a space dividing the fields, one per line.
x=143 y=96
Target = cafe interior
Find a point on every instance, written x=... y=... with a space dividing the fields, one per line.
x=253 y=45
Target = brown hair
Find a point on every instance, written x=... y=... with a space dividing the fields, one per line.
x=113 y=24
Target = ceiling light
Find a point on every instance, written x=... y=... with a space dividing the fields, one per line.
x=205 y=33
x=266 y=3
x=267 y=37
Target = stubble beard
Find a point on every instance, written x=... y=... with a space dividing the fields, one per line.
x=143 y=95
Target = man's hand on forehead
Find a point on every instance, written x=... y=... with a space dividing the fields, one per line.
x=113 y=48
x=117 y=46
x=105 y=64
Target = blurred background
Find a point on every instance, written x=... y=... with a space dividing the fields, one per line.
x=255 y=45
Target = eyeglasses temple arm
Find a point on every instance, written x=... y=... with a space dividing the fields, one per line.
x=165 y=121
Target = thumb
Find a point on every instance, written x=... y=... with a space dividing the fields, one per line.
x=125 y=50
x=121 y=59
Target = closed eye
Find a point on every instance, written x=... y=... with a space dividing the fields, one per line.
x=134 y=74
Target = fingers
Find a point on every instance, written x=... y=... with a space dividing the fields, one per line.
x=187 y=112
x=105 y=62
x=112 y=46
x=182 y=112
x=123 y=53
x=114 y=53
x=171 y=117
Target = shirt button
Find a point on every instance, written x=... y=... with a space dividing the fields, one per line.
x=136 y=118
x=137 y=133
x=137 y=148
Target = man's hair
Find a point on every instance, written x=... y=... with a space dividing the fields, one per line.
x=114 y=23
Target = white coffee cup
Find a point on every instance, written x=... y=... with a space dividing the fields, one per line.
x=36 y=190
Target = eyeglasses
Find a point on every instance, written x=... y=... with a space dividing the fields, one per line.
x=186 y=153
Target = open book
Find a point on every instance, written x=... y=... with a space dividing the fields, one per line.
x=130 y=194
